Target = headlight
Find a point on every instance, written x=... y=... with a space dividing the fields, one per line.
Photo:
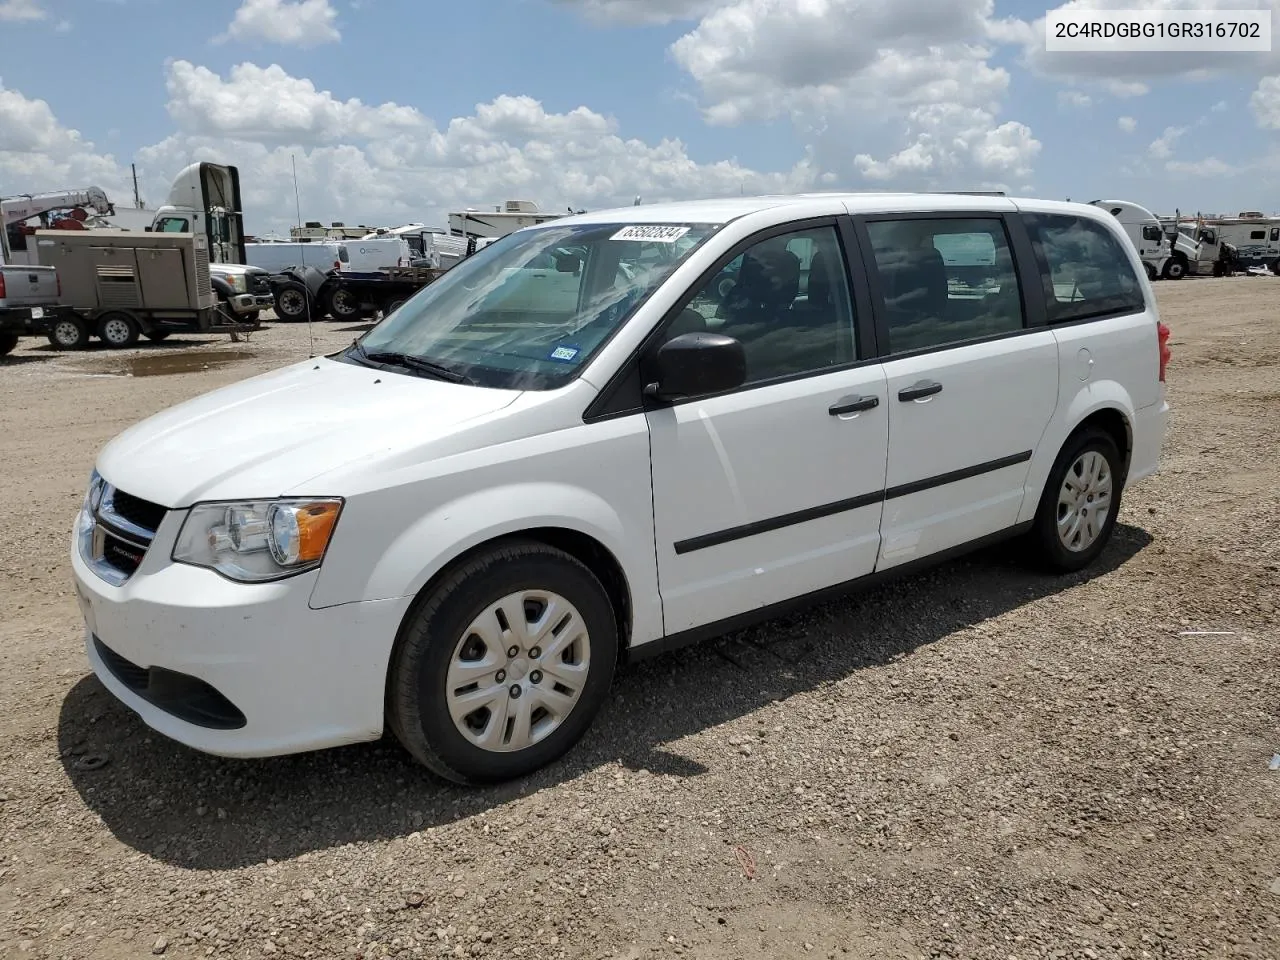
x=237 y=281
x=257 y=540
x=89 y=508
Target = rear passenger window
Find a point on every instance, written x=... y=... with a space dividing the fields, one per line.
x=945 y=281
x=786 y=299
x=1086 y=271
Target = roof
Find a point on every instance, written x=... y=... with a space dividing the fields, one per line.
x=726 y=209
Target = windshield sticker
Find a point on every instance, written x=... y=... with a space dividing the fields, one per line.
x=564 y=353
x=653 y=233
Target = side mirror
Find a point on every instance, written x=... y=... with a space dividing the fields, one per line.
x=696 y=363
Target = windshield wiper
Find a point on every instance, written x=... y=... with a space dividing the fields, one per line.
x=409 y=361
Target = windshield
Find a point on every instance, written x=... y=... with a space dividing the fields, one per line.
x=531 y=309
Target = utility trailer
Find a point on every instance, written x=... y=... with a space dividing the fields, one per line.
x=126 y=284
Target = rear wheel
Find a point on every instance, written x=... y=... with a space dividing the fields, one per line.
x=1081 y=500
x=118 y=330
x=69 y=333
x=502 y=667
x=292 y=301
x=392 y=307
x=342 y=304
x=8 y=341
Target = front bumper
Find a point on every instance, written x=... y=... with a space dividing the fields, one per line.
x=251 y=302
x=237 y=670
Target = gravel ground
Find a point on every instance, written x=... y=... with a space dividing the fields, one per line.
x=976 y=762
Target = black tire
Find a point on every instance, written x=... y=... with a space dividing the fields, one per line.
x=118 y=330
x=1175 y=269
x=1151 y=271
x=158 y=336
x=1275 y=266
x=69 y=333
x=417 y=709
x=392 y=307
x=293 y=302
x=8 y=341
x=342 y=304
x=1047 y=545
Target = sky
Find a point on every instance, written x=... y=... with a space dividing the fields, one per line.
x=397 y=111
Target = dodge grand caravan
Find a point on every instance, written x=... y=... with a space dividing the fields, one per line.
x=604 y=436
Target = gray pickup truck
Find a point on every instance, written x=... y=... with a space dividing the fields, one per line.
x=28 y=302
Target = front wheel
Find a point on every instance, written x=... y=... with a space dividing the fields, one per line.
x=1175 y=269
x=1081 y=499
x=501 y=669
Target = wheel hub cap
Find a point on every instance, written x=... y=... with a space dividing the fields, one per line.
x=1084 y=501
x=518 y=671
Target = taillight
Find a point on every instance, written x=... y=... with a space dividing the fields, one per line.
x=1 y=284
x=1165 y=352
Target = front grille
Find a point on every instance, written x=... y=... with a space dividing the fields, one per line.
x=185 y=697
x=136 y=510
x=122 y=528
x=259 y=285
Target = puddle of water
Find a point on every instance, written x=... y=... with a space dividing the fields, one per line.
x=167 y=364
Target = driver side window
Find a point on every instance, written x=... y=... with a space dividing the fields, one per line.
x=786 y=299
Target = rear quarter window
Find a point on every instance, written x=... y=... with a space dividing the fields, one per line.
x=1086 y=270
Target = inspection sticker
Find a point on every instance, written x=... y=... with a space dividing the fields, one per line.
x=564 y=353
x=652 y=232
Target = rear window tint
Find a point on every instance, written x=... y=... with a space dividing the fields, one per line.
x=1086 y=271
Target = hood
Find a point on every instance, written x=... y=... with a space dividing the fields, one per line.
x=235 y=269
x=264 y=436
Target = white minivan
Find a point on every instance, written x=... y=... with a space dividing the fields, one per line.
x=456 y=527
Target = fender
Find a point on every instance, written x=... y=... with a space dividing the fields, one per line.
x=1088 y=400
x=432 y=542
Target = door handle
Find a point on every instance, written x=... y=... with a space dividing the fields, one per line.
x=853 y=404
x=919 y=390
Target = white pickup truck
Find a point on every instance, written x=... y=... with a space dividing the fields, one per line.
x=28 y=302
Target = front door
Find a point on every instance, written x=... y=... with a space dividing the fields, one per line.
x=774 y=490
x=970 y=388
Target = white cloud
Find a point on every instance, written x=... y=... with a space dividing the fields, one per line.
x=1074 y=98
x=38 y=153
x=1162 y=147
x=295 y=23
x=1265 y=103
x=15 y=10
x=641 y=11
x=266 y=103
x=1127 y=124
x=907 y=80
x=377 y=164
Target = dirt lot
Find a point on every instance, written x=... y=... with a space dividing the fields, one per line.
x=977 y=762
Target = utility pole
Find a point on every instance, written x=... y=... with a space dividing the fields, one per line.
x=137 y=197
